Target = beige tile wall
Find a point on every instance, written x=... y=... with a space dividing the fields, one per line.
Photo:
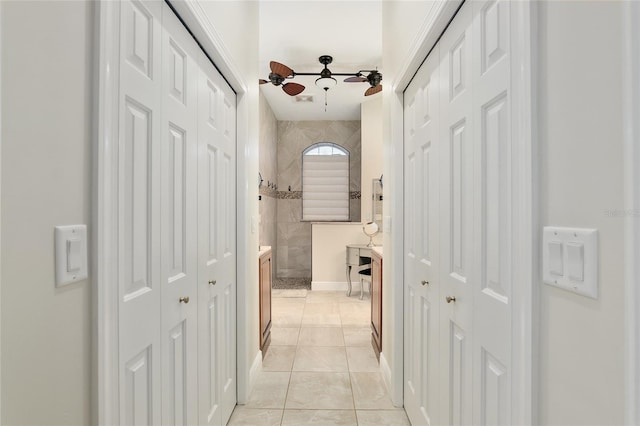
x=292 y=235
x=268 y=164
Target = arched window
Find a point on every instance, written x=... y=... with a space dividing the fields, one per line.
x=325 y=182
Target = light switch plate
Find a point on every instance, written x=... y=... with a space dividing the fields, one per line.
x=71 y=254
x=574 y=266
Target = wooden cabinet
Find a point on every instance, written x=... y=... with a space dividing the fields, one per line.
x=376 y=302
x=265 y=301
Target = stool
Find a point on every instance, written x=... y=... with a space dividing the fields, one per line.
x=365 y=276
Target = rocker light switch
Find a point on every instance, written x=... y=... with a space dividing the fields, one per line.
x=575 y=261
x=74 y=254
x=555 y=258
x=71 y=254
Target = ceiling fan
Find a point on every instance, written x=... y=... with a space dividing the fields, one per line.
x=279 y=73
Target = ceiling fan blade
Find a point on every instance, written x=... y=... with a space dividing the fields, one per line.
x=373 y=90
x=355 y=80
x=262 y=81
x=293 y=89
x=280 y=69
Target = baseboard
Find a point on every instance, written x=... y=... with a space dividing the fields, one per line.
x=256 y=367
x=331 y=285
x=386 y=372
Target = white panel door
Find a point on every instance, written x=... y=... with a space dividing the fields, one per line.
x=216 y=246
x=421 y=244
x=179 y=223
x=493 y=224
x=139 y=286
x=457 y=219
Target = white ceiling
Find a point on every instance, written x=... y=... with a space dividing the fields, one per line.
x=296 y=33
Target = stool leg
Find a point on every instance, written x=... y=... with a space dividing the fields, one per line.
x=361 y=288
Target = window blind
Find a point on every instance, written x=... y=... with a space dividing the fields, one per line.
x=325 y=187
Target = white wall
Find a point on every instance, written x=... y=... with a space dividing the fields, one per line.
x=46 y=135
x=371 y=152
x=580 y=139
x=236 y=22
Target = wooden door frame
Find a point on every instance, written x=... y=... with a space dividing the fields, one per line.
x=631 y=149
x=525 y=200
x=105 y=403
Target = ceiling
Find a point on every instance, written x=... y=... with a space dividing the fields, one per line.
x=296 y=33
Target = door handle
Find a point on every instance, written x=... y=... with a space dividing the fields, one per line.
x=184 y=299
x=423 y=282
x=212 y=282
x=450 y=299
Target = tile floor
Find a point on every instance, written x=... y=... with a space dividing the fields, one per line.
x=320 y=368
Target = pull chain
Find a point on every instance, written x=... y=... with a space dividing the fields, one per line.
x=325 y=99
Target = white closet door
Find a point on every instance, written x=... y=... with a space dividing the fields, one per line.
x=457 y=219
x=421 y=256
x=493 y=221
x=217 y=246
x=139 y=286
x=179 y=223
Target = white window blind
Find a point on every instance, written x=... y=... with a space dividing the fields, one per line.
x=325 y=186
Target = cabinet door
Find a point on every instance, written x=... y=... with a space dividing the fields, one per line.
x=265 y=300
x=376 y=302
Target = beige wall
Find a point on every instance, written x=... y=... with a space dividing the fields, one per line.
x=580 y=140
x=371 y=113
x=46 y=155
x=329 y=242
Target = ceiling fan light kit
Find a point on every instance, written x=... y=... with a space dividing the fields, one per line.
x=279 y=73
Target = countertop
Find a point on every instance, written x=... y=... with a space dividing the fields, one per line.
x=377 y=249
x=263 y=250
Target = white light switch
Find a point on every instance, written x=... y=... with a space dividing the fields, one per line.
x=575 y=261
x=74 y=254
x=71 y=254
x=570 y=259
x=555 y=258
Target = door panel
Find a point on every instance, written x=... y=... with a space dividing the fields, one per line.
x=421 y=244
x=139 y=253
x=458 y=224
x=456 y=192
x=217 y=250
x=176 y=225
x=179 y=223
x=493 y=198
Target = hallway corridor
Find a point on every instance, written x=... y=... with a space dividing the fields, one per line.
x=320 y=368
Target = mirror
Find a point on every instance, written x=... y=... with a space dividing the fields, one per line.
x=371 y=230
x=376 y=208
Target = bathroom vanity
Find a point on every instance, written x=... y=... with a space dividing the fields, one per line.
x=376 y=300
x=264 y=286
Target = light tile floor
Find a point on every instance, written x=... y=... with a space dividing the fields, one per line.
x=320 y=368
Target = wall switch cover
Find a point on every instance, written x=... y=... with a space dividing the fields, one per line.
x=71 y=254
x=570 y=259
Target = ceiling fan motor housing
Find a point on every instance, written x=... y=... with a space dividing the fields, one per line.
x=374 y=78
x=325 y=59
x=276 y=79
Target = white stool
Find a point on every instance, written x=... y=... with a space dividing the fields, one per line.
x=365 y=276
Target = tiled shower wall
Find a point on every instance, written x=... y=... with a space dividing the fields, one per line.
x=293 y=236
x=268 y=164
